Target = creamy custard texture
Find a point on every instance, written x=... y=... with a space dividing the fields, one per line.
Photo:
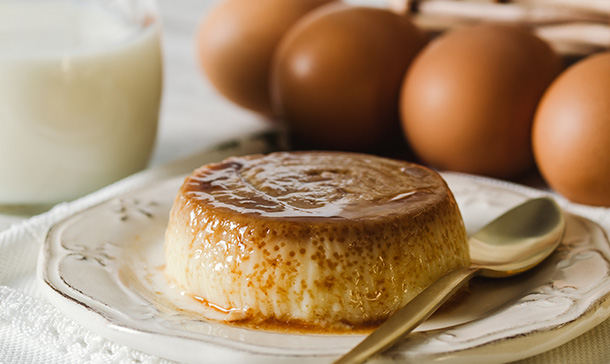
x=325 y=239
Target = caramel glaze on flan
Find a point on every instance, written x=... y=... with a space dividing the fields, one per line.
x=314 y=239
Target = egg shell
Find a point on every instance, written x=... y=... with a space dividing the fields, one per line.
x=236 y=41
x=337 y=75
x=571 y=135
x=469 y=98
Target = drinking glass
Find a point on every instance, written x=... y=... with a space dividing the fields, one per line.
x=80 y=89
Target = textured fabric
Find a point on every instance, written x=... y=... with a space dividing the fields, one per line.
x=32 y=331
x=592 y=347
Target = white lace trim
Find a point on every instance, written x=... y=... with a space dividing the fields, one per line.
x=42 y=323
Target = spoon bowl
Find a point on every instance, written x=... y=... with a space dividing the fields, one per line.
x=511 y=244
x=518 y=240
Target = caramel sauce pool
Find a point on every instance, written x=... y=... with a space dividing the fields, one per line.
x=297 y=327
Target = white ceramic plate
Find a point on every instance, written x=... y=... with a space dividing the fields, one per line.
x=104 y=268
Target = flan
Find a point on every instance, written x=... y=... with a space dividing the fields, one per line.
x=321 y=239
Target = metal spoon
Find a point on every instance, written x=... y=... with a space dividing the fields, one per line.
x=511 y=244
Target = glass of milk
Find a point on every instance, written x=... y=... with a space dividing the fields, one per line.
x=80 y=88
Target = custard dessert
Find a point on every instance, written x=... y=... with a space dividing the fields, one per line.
x=321 y=239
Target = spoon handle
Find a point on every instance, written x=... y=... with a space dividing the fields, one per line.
x=406 y=319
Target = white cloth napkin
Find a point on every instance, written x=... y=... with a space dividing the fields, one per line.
x=32 y=331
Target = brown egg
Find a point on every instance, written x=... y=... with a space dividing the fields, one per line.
x=236 y=42
x=571 y=135
x=469 y=98
x=337 y=76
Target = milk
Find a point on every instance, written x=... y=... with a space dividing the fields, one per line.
x=79 y=99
